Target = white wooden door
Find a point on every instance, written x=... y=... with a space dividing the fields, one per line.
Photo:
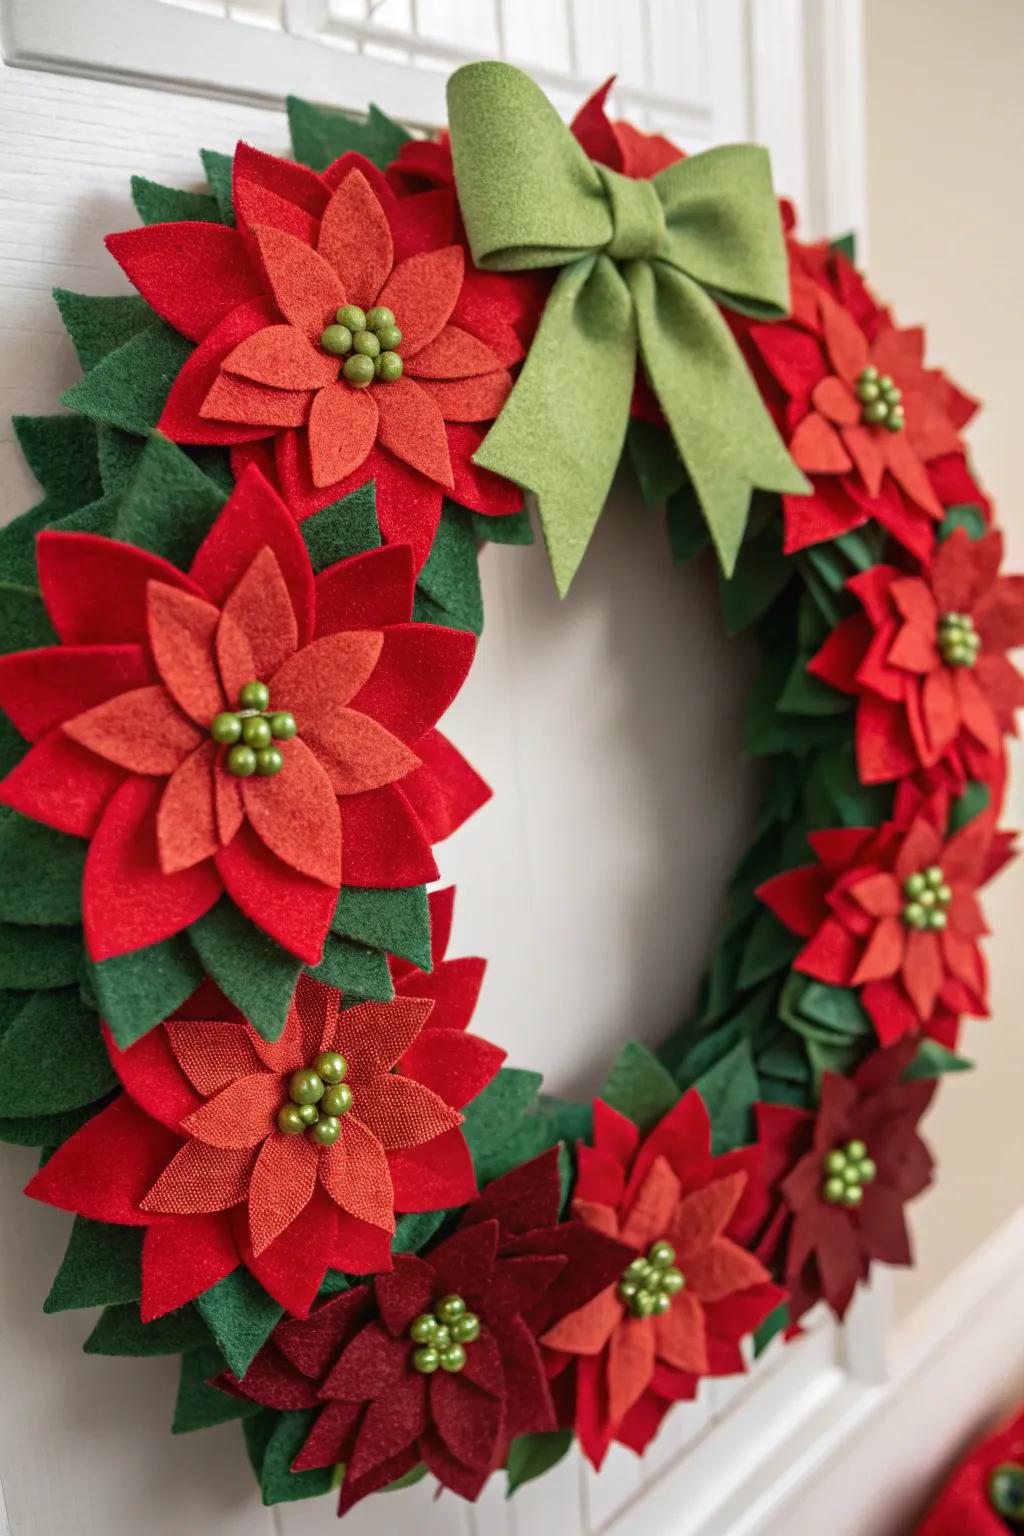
x=609 y=726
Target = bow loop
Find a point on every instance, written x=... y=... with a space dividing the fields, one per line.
x=639 y=230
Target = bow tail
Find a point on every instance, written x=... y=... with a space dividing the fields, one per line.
x=562 y=430
x=724 y=434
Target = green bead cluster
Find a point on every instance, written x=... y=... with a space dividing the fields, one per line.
x=881 y=401
x=441 y=1336
x=318 y=1096
x=927 y=897
x=367 y=342
x=958 y=640
x=648 y=1285
x=250 y=732
x=1006 y=1491
x=847 y=1170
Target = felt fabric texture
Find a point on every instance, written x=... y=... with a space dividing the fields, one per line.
x=149 y=655
x=667 y=1186
x=823 y=1250
x=517 y=1268
x=551 y=206
x=204 y=1165
x=965 y=1506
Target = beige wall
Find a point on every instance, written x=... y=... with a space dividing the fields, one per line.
x=946 y=247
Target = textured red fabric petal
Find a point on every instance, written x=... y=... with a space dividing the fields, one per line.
x=187 y=830
x=103 y=1170
x=143 y=731
x=292 y=1268
x=313 y=1346
x=282 y=357
x=366 y=591
x=411 y=426
x=923 y=971
x=631 y=1354
x=376 y=1035
x=183 y=1257
x=864 y=448
x=393 y=1422
x=354 y=1172
x=282 y=1184
x=211 y=1052
x=261 y=606
x=796 y=898
x=369 y=1364
x=468 y=1421
x=290 y=907
x=181 y=631
x=355 y=238
x=383 y=841
x=201 y=1179
x=296 y=814
x=837 y=402
x=402 y=1113
x=422 y=291
x=241 y=1114
x=457 y=1066
x=357 y=754
x=41 y=689
x=454 y=353
x=453 y=985
x=305 y=287
x=191 y=273
x=681 y=1336
x=343 y=426
x=723 y=1268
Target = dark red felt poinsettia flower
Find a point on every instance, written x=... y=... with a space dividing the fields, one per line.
x=394 y=1392
x=894 y=911
x=927 y=659
x=275 y=367
x=243 y=727
x=690 y=1291
x=291 y=1156
x=843 y=1177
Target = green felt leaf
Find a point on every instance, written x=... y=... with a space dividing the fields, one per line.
x=156 y=204
x=128 y=387
x=33 y=957
x=137 y=991
x=933 y=1060
x=255 y=973
x=200 y=1406
x=120 y=1331
x=965 y=515
x=846 y=245
x=414 y=1231
x=241 y=1317
x=52 y=1058
x=655 y=459
x=274 y=1440
x=100 y=325
x=730 y=1089
x=513 y=528
x=12 y=746
x=102 y=1266
x=354 y=969
x=841 y=1058
x=24 y=623
x=761 y=574
x=639 y=1087
x=119 y=453
x=572 y=1122
x=768 y=730
x=773 y=1325
x=40 y=872
x=346 y=527
x=397 y=922
x=785 y=1059
x=321 y=134
x=530 y=1456
x=98 y=516
x=219 y=169
x=688 y=532
x=61 y=452
x=46 y=1130
x=769 y=948
x=829 y=605
x=450 y=576
x=493 y=1120
x=169 y=505
x=805 y=694
x=850 y=803
x=838 y=1008
x=976 y=798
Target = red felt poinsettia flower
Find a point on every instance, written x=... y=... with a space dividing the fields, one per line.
x=291 y=1156
x=986 y=1487
x=392 y=1392
x=843 y=1177
x=242 y=727
x=690 y=1291
x=926 y=660
x=894 y=911
x=452 y=985
x=274 y=368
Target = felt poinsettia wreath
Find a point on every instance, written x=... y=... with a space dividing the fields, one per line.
x=230 y=629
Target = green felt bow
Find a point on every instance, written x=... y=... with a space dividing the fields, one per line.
x=644 y=263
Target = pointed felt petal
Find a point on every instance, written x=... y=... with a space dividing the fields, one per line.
x=879 y=894
x=242 y=1114
x=404 y=1293
x=453 y=354
x=331 y=1439
x=343 y=428
x=402 y=1113
x=103 y=1170
x=326 y=675
x=261 y=606
x=703 y=1216
x=528 y=1405
x=393 y=1422
x=631 y=1355
x=723 y=1268
x=143 y=731
x=61 y=785
x=231 y=399
x=150 y=1075
x=283 y=358
x=96 y=589
x=468 y=1421
x=411 y=426
x=357 y=754
x=457 y=1066
x=366 y=591
x=289 y=906
x=305 y=287
x=836 y=401
x=923 y=971
x=453 y=986
x=385 y=845
x=354 y=1172
x=587 y=1331
x=181 y=631
x=187 y=830
x=192 y=273
x=201 y=1179
x=313 y=1346
x=435 y=1176
x=211 y=1052
x=43 y=688
x=355 y=238
x=282 y=1184
x=846 y=342
x=906 y=468
x=292 y=1269
x=422 y=291
x=817 y=447
x=681 y=1337
x=295 y=813
x=227 y=804
x=181 y=418
x=420 y=670
x=446 y=790
x=865 y=450
x=476 y=399
x=369 y=1364
x=976 y=711
x=884 y=953
x=652 y=1206
x=181 y=1259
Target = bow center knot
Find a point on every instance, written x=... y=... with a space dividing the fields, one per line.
x=638 y=218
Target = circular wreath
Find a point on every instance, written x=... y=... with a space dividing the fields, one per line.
x=230 y=628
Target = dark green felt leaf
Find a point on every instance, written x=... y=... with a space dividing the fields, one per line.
x=39 y=957
x=846 y=245
x=414 y=1231
x=977 y=797
x=120 y=453
x=397 y=922
x=100 y=325
x=762 y=572
x=513 y=528
x=838 y=1008
x=729 y=1090
x=120 y=1331
x=169 y=505
x=450 y=577
x=200 y=1406
x=321 y=134
x=769 y=948
x=965 y=515
x=655 y=459
x=354 y=969
x=530 y=1456
x=156 y=204
x=241 y=1317
x=933 y=1060
x=12 y=746
x=101 y=1267
x=273 y=1445
x=639 y=1087
x=129 y=387
x=46 y=1130
x=255 y=973
x=494 y=1119
x=24 y=623
x=346 y=527
x=98 y=516
x=137 y=991
x=54 y=1029
x=219 y=169
x=61 y=453
x=40 y=872
x=687 y=530
x=842 y=1058
x=773 y=1325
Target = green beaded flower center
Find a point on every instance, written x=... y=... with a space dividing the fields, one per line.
x=926 y=898
x=249 y=732
x=441 y=1336
x=318 y=1096
x=648 y=1285
x=368 y=344
x=958 y=640
x=881 y=401
x=847 y=1171
x=1006 y=1491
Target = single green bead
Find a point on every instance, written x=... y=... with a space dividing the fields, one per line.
x=389 y=367
x=628 y=1289
x=944 y=895
x=1006 y=1490
x=268 y=762
x=895 y=421
x=305 y=1086
x=378 y=317
x=662 y=1255
x=885 y=382
x=389 y=337
x=450 y=1308
x=337 y=340
x=868 y=1170
x=851 y=1173
x=874 y=412
x=914 y=884
x=673 y=1281
x=856 y=1149
x=638 y=1269
x=426 y=1360
x=254 y=695
x=662 y=1304
x=466 y=1329
x=453 y=1358
x=867 y=390
x=926 y=898
x=852 y=1195
x=337 y=1099
x=358 y=370
x=937 y=919
x=241 y=761
x=833 y=1191
x=256 y=731
x=423 y=1328
x=443 y=1336
x=332 y=1066
x=642 y=1304
x=308 y=1114
x=915 y=915
x=835 y=1161
x=326 y=1131
x=282 y=725
x=352 y=316
x=870 y=372
x=365 y=344
x=934 y=876
x=226 y=728
x=290 y=1121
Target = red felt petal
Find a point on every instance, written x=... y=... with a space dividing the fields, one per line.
x=283 y=357
x=187 y=825
x=446 y=790
x=376 y=1035
x=96 y=589
x=180 y=418
x=587 y=1331
x=631 y=1354
x=150 y=1075
x=455 y=1065
x=312 y=1346
x=241 y=1114
x=41 y=689
x=477 y=399
x=393 y=1422
x=295 y=813
x=383 y=841
x=831 y=955
x=182 y=1258
x=528 y=1405
x=680 y=1335
x=453 y=354
x=468 y=1421
x=104 y=1169
x=846 y=342
x=420 y=670
x=292 y=1268
x=369 y=1364
x=343 y=427
x=422 y=291
x=453 y=986
x=233 y=400
x=354 y=1172
x=651 y=1207
x=366 y=591
x=143 y=731
x=836 y=401
x=923 y=971
x=282 y=1184
x=191 y=273
x=290 y=907
x=181 y=630
x=61 y=785
x=435 y=1176
x=411 y=425
x=721 y=1269
x=201 y=1179
x=285 y=178
x=796 y=898
x=325 y=675
x=864 y=448
x=883 y=955
x=355 y=238
x=305 y=287
x=357 y=754
x=703 y=1216
x=331 y=1438
x=407 y=1291
x=261 y=607
x=817 y=447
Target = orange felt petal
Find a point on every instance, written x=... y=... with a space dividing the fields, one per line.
x=680 y=1336
x=294 y=1047
x=282 y=357
x=186 y=818
x=242 y=1114
x=453 y=354
x=234 y=657
x=261 y=606
x=864 y=448
x=142 y=730
x=603 y=1218
x=587 y=1331
x=900 y=352
x=227 y=801
x=200 y=1179
x=282 y=1185
x=702 y=1216
x=306 y=288
x=402 y=1113
x=342 y=430
x=721 y=1269
x=834 y=398
x=355 y=1174
x=358 y=754
x=883 y=954
x=479 y=398
x=211 y=1052
x=181 y=632
x=254 y=405
x=325 y=674
x=847 y=345
x=423 y=290
x=374 y=1036
x=631 y=1356
x=355 y=237
x=905 y=467
x=817 y=447
x=652 y=1210
x=295 y=813
x=412 y=427
x=923 y=971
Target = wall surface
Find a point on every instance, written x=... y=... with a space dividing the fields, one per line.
x=945 y=136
